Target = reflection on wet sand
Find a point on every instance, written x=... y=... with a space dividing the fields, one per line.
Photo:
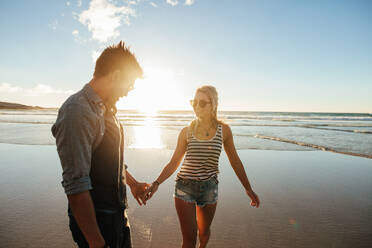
x=147 y=136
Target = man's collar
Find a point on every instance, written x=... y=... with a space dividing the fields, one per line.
x=92 y=95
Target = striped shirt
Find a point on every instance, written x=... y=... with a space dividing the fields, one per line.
x=201 y=160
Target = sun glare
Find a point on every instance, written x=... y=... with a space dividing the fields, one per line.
x=147 y=136
x=158 y=90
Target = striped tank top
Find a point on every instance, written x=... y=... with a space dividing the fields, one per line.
x=201 y=160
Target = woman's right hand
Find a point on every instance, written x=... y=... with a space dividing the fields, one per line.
x=151 y=190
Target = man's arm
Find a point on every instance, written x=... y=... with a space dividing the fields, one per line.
x=83 y=210
x=138 y=189
x=75 y=131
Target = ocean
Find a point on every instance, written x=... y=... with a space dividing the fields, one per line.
x=347 y=133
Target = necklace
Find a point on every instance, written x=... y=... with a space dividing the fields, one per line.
x=206 y=131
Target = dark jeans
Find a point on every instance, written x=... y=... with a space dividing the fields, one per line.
x=114 y=228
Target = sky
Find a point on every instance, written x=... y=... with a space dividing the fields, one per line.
x=279 y=55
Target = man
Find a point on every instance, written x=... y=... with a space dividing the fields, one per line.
x=90 y=145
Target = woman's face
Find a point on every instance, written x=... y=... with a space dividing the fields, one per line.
x=202 y=105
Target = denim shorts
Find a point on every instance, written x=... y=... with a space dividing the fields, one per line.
x=200 y=192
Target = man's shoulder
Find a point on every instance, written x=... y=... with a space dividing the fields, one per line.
x=76 y=103
x=75 y=112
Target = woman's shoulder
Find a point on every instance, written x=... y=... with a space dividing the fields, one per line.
x=224 y=125
x=185 y=131
x=226 y=130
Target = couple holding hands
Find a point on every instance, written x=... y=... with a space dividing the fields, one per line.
x=90 y=144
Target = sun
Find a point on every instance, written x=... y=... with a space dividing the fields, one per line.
x=158 y=90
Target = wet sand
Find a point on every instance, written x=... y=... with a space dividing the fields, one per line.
x=309 y=199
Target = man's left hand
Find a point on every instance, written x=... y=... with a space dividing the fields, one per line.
x=139 y=192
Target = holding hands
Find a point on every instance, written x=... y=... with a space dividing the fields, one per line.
x=152 y=189
x=139 y=190
x=143 y=192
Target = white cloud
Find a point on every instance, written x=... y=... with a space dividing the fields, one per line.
x=77 y=37
x=104 y=18
x=53 y=25
x=38 y=90
x=68 y=3
x=189 y=2
x=79 y=3
x=42 y=89
x=95 y=55
x=8 y=88
x=75 y=33
x=172 y=2
x=41 y=94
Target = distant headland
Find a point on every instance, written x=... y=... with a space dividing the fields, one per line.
x=8 y=105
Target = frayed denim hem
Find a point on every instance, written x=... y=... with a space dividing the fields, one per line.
x=207 y=203
x=194 y=201
x=188 y=201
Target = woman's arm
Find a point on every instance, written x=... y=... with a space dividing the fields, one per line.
x=173 y=164
x=237 y=165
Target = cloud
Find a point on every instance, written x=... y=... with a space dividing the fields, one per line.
x=38 y=90
x=77 y=37
x=40 y=95
x=104 y=18
x=8 y=88
x=79 y=3
x=95 y=55
x=42 y=89
x=172 y=2
x=189 y=2
x=75 y=33
x=153 y=4
x=68 y=3
x=53 y=25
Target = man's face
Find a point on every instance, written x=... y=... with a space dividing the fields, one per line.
x=121 y=84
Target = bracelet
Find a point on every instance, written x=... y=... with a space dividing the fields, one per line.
x=156 y=182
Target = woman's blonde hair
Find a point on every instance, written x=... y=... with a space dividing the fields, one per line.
x=211 y=92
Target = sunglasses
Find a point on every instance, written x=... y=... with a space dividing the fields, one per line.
x=201 y=103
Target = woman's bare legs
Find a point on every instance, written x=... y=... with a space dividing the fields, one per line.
x=187 y=216
x=204 y=219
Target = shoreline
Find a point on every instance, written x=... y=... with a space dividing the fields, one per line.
x=316 y=147
x=322 y=148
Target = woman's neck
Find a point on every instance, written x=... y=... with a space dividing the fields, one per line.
x=205 y=122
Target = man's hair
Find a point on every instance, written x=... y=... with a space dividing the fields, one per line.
x=117 y=57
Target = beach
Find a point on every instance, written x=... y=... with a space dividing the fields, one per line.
x=309 y=199
x=288 y=82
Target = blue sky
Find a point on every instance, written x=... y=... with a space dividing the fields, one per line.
x=261 y=55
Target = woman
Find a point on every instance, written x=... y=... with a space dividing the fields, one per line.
x=196 y=187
